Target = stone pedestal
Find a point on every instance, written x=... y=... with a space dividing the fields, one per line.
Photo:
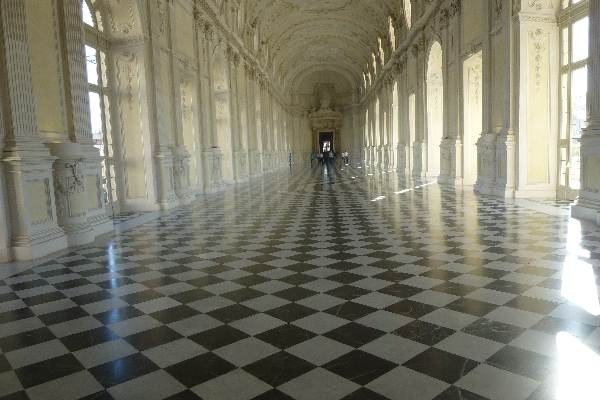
x=181 y=175
x=213 y=159
x=240 y=162
x=419 y=160
x=506 y=160
x=167 y=197
x=402 y=154
x=70 y=191
x=486 y=164
x=256 y=163
x=449 y=170
x=588 y=204
x=34 y=222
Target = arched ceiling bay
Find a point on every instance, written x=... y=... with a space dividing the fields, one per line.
x=307 y=36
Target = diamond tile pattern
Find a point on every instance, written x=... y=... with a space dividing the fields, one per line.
x=301 y=287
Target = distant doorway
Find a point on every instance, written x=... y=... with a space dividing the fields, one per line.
x=325 y=142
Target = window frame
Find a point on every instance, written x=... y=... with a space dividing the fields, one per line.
x=567 y=17
x=96 y=39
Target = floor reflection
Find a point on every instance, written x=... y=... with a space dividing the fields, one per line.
x=334 y=282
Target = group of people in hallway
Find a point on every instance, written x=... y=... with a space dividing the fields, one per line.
x=328 y=157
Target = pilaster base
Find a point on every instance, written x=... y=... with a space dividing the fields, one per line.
x=588 y=204
x=71 y=196
x=213 y=179
x=181 y=172
x=587 y=209
x=30 y=192
x=167 y=197
x=486 y=164
x=240 y=161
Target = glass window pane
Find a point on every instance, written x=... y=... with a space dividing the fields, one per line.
x=580 y=39
x=578 y=101
x=578 y=116
x=87 y=14
x=564 y=105
x=564 y=49
x=96 y=119
x=92 y=64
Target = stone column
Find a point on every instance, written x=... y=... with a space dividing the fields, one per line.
x=588 y=204
x=260 y=139
x=5 y=251
x=506 y=142
x=269 y=128
x=486 y=144
x=81 y=210
x=420 y=146
x=204 y=107
x=372 y=129
x=180 y=154
x=233 y=61
x=164 y=137
x=451 y=147
x=28 y=163
x=251 y=120
x=212 y=157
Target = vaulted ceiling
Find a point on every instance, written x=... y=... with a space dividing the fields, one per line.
x=305 y=37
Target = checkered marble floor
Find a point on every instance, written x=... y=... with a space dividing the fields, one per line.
x=338 y=283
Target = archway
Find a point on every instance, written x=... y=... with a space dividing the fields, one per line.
x=222 y=95
x=473 y=113
x=435 y=109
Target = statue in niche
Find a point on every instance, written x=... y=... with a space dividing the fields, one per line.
x=325 y=117
x=325 y=100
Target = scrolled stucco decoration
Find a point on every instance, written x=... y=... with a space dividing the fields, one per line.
x=68 y=185
x=72 y=183
x=539 y=47
x=121 y=15
x=539 y=5
x=127 y=74
x=162 y=8
x=497 y=9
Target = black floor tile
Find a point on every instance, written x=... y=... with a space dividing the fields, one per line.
x=354 y=334
x=199 y=369
x=218 y=337
x=360 y=367
x=122 y=370
x=285 y=336
x=494 y=330
x=424 y=332
x=441 y=365
x=54 y=368
x=279 y=368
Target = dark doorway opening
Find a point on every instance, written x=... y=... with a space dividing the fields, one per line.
x=326 y=142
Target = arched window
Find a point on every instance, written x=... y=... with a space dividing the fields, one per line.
x=408 y=13
x=97 y=79
x=88 y=19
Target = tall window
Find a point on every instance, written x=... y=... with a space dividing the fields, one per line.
x=392 y=34
x=408 y=13
x=97 y=77
x=573 y=92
